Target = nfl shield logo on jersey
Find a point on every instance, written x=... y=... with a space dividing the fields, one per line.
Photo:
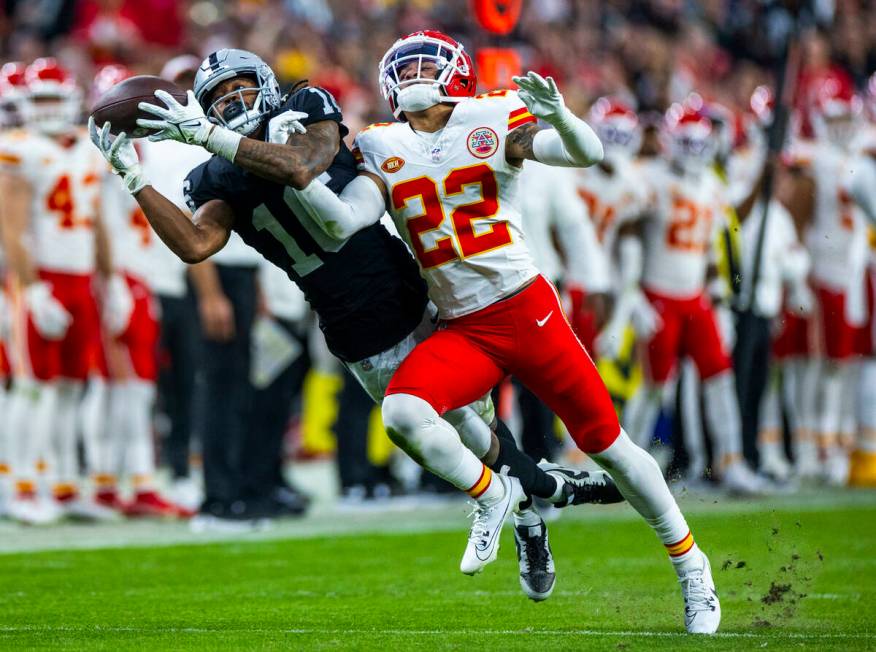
x=483 y=142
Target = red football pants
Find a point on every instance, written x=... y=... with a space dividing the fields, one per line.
x=525 y=335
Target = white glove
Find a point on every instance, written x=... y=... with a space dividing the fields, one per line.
x=542 y=97
x=801 y=299
x=188 y=124
x=120 y=154
x=611 y=338
x=118 y=305
x=646 y=321
x=282 y=126
x=49 y=316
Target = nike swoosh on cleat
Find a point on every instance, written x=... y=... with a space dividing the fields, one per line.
x=542 y=322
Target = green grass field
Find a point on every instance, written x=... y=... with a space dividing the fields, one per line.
x=790 y=576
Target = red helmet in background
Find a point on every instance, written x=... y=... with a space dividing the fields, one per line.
x=617 y=125
x=723 y=121
x=402 y=68
x=836 y=110
x=53 y=99
x=688 y=138
x=107 y=77
x=12 y=92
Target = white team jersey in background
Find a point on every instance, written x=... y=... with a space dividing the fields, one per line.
x=552 y=209
x=612 y=199
x=132 y=240
x=64 y=178
x=455 y=201
x=166 y=165
x=684 y=215
x=837 y=238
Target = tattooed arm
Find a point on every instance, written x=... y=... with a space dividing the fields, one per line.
x=518 y=145
x=303 y=158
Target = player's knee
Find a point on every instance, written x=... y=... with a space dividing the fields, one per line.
x=624 y=458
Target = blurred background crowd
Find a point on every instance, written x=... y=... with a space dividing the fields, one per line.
x=648 y=54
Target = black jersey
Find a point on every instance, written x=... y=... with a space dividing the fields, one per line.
x=366 y=290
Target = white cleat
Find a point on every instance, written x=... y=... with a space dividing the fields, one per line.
x=81 y=509
x=740 y=480
x=774 y=465
x=836 y=468
x=34 y=511
x=483 y=540
x=702 y=610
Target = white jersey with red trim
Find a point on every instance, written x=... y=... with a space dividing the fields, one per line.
x=64 y=178
x=612 y=197
x=684 y=214
x=454 y=198
x=131 y=237
x=837 y=238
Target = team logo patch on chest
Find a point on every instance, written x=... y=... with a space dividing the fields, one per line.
x=392 y=164
x=483 y=142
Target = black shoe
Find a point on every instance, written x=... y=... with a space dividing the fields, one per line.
x=288 y=501
x=537 y=575
x=583 y=487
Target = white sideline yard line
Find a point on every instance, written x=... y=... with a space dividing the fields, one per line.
x=325 y=522
x=775 y=634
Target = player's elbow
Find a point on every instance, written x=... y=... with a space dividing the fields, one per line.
x=193 y=253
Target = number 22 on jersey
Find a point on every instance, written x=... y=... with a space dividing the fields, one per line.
x=464 y=242
x=690 y=226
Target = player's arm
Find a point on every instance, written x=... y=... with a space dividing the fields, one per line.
x=360 y=204
x=294 y=160
x=863 y=187
x=192 y=239
x=14 y=219
x=571 y=142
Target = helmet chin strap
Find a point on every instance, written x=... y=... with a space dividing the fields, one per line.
x=417 y=97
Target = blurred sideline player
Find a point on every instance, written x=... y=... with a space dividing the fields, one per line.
x=447 y=174
x=665 y=269
x=365 y=289
x=54 y=242
x=837 y=241
x=863 y=190
x=11 y=89
x=131 y=349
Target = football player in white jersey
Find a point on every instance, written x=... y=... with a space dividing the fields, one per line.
x=447 y=174
x=837 y=241
x=664 y=261
x=52 y=238
x=863 y=190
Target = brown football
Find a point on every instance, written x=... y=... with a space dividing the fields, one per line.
x=118 y=105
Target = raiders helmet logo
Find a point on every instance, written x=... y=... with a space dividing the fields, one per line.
x=483 y=142
x=392 y=164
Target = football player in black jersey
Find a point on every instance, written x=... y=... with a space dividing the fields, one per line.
x=366 y=290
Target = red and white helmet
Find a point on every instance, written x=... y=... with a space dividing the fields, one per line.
x=835 y=111
x=403 y=67
x=688 y=138
x=107 y=77
x=12 y=92
x=54 y=101
x=617 y=126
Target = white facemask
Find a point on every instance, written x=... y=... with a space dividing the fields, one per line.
x=418 y=97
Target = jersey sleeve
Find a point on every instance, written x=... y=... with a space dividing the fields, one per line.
x=318 y=104
x=15 y=155
x=367 y=150
x=205 y=183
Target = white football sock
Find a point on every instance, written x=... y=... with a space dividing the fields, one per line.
x=66 y=471
x=31 y=417
x=848 y=427
x=722 y=415
x=830 y=415
x=140 y=451
x=527 y=517
x=806 y=373
x=640 y=481
x=416 y=428
x=691 y=417
x=93 y=416
x=641 y=413
x=474 y=433
x=769 y=436
x=867 y=406
x=5 y=460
